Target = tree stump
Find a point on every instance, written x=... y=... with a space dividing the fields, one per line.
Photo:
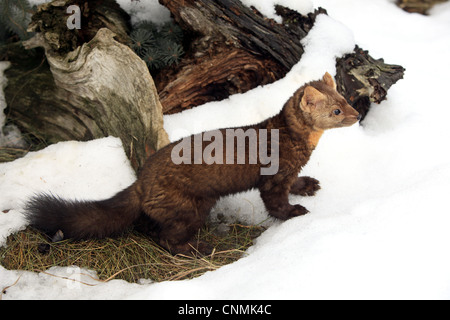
x=99 y=87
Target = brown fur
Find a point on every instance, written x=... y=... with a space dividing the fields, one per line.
x=171 y=202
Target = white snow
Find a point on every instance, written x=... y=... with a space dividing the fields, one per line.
x=140 y=10
x=145 y=10
x=378 y=228
x=75 y=170
x=267 y=8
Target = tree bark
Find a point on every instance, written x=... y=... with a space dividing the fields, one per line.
x=418 y=6
x=363 y=80
x=235 y=49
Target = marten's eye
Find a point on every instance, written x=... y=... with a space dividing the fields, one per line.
x=337 y=112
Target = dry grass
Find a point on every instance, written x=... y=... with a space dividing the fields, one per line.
x=130 y=257
x=11 y=154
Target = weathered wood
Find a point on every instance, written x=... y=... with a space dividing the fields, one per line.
x=99 y=88
x=232 y=22
x=234 y=49
x=362 y=79
x=237 y=49
x=33 y=103
x=418 y=6
x=205 y=80
x=51 y=18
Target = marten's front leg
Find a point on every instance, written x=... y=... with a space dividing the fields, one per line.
x=305 y=186
x=275 y=194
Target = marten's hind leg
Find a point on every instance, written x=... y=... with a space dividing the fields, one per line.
x=305 y=186
x=178 y=226
x=178 y=236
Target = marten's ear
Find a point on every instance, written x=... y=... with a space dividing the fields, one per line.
x=329 y=81
x=311 y=98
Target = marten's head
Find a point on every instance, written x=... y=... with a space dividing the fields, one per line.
x=325 y=107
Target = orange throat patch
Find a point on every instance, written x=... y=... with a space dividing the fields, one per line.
x=314 y=137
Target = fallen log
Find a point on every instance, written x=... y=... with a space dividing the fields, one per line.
x=363 y=80
x=418 y=6
x=236 y=49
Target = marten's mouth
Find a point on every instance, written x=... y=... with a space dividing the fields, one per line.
x=348 y=121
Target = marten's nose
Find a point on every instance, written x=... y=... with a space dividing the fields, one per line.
x=359 y=117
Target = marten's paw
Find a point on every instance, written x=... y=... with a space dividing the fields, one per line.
x=305 y=186
x=288 y=211
x=296 y=211
x=192 y=248
x=204 y=248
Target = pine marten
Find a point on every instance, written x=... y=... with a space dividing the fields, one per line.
x=173 y=198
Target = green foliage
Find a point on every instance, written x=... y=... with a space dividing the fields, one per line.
x=15 y=15
x=171 y=52
x=142 y=41
x=153 y=58
x=158 y=47
x=172 y=31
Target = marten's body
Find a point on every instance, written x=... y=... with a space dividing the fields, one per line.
x=175 y=199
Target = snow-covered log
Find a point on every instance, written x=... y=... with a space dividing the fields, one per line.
x=234 y=49
x=237 y=49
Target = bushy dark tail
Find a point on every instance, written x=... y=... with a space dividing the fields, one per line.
x=84 y=219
